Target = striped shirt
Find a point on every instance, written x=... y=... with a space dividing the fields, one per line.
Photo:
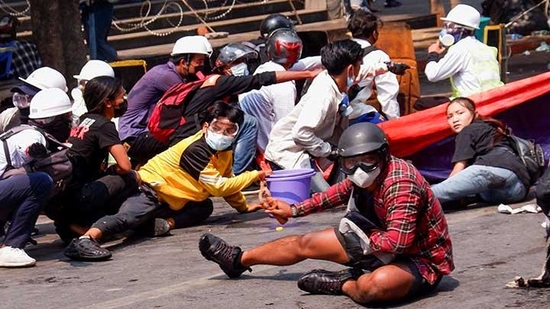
x=413 y=223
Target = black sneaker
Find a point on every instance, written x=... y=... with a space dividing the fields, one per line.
x=215 y=249
x=320 y=281
x=86 y=249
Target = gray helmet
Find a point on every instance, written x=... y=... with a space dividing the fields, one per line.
x=284 y=47
x=361 y=138
x=275 y=22
x=233 y=52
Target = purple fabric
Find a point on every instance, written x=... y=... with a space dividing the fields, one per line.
x=143 y=97
x=528 y=120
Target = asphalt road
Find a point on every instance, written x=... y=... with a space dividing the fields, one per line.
x=169 y=272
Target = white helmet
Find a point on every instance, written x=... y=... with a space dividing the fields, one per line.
x=45 y=78
x=196 y=44
x=95 y=68
x=463 y=15
x=48 y=103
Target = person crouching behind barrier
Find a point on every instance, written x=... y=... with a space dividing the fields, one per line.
x=177 y=183
x=394 y=227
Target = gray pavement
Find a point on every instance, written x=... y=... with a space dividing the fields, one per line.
x=169 y=272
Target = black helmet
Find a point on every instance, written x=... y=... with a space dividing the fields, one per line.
x=8 y=27
x=274 y=22
x=233 y=52
x=284 y=47
x=361 y=138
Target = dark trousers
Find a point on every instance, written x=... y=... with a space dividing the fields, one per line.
x=542 y=192
x=143 y=148
x=103 y=16
x=21 y=199
x=95 y=199
x=144 y=206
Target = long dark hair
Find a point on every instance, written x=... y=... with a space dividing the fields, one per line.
x=97 y=90
x=500 y=127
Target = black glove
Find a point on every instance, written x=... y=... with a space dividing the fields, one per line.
x=333 y=155
x=37 y=151
x=397 y=68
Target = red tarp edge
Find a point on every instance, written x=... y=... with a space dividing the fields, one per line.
x=414 y=132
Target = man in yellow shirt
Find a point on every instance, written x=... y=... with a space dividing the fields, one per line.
x=177 y=183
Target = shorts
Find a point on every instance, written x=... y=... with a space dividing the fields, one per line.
x=357 y=259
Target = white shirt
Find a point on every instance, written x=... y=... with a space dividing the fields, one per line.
x=17 y=145
x=9 y=118
x=310 y=128
x=461 y=62
x=271 y=103
x=386 y=84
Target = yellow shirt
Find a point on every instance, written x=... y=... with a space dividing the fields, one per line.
x=192 y=171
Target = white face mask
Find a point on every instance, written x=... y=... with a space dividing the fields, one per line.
x=363 y=179
x=218 y=141
x=240 y=69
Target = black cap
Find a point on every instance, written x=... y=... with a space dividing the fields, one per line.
x=26 y=89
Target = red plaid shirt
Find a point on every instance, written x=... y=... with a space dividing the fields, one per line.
x=413 y=223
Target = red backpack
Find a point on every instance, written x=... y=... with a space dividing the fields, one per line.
x=167 y=115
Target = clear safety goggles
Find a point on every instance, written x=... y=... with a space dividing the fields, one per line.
x=226 y=128
x=368 y=162
x=21 y=100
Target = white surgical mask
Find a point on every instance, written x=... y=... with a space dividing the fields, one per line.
x=218 y=141
x=240 y=69
x=363 y=179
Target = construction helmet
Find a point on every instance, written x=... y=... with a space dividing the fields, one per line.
x=275 y=22
x=45 y=78
x=284 y=47
x=463 y=15
x=195 y=44
x=233 y=52
x=95 y=68
x=8 y=28
x=48 y=103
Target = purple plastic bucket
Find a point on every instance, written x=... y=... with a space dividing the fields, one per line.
x=291 y=173
x=293 y=188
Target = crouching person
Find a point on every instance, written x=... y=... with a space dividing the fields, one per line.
x=394 y=227
x=176 y=185
x=22 y=196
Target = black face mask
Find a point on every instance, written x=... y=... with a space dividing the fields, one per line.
x=121 y=109
x=60 y=128
x=24 y=115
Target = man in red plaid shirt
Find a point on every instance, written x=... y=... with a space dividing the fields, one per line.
x=394 y=227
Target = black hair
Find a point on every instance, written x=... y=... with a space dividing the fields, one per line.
x=469 y=104
x=97 y=90
x=179 y=57
x=362 y=24
x=336 y=56
x=222 y=109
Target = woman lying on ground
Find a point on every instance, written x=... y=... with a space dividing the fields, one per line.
x=484 y=162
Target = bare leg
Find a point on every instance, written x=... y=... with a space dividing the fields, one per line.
x=320 y=245
x=389 y=282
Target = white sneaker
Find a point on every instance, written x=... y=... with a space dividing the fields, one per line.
x=15 y=257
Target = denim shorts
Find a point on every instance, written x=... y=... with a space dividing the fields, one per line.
x=357 y=259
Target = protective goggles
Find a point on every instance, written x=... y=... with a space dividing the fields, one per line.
x=226 y=128
x=21 y=100
x=368 y=162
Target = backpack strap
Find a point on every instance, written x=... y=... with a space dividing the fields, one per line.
x=355 y=89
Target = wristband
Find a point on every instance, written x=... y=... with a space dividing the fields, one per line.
x=293 y=211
